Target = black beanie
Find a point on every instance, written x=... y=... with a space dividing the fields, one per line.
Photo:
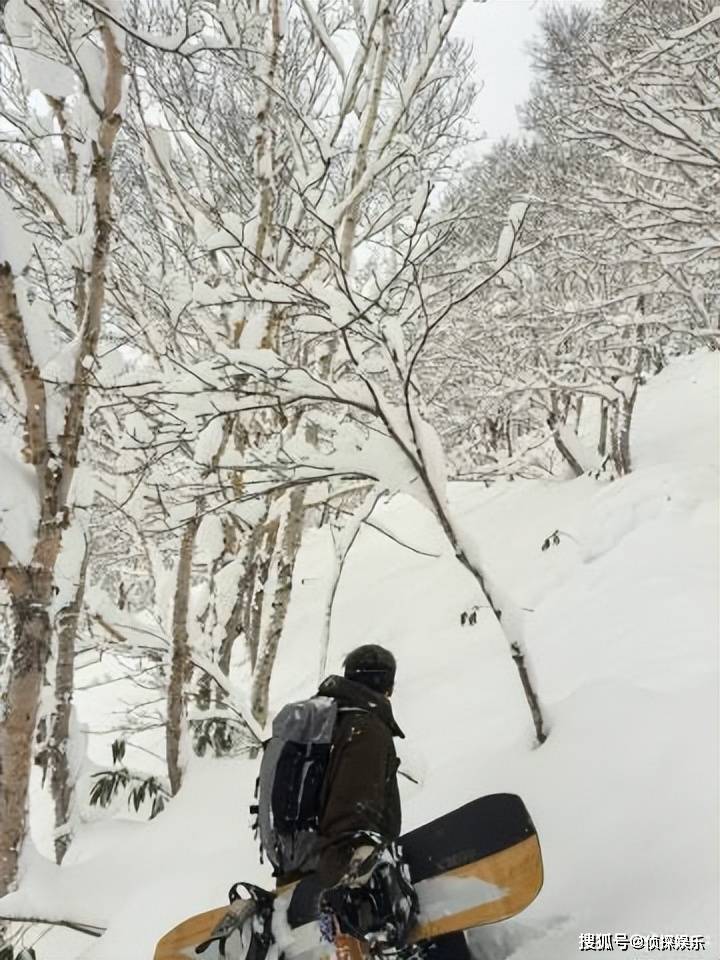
x=373 y=666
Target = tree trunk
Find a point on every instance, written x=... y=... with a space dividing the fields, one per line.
x=233 y=628
x=31 y=644
x=240 y=619
x=628 y=408
x=277 y=600
x=508 y=441
x=61 y=777
x=180 y=664
x=265 y=135
x=258 y=574
x=624 y=410
x=602 y=442
x=368 y=121
x=563 y=449
x=578 y=412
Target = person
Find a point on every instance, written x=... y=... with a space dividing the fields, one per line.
x=361 y=800
x=361 y=809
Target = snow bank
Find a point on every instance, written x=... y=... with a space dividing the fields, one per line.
x=676 y=418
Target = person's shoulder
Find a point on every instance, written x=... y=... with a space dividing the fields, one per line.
x=361 y=719
x=369 y=725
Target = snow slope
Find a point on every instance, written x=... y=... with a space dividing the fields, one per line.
x=621 y=622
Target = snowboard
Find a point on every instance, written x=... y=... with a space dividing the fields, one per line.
x=476 y=865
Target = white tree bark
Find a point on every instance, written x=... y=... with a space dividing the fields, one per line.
x=180 y=661
x=380 y=45
x=277 y=590
x=62 y=784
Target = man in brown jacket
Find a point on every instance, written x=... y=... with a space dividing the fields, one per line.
x=361 y=804
x=362 y=800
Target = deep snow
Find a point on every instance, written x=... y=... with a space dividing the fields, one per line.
x=621 y=622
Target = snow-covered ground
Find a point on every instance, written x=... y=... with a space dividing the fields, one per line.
x=621 y=620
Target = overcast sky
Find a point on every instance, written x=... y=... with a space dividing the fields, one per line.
x=500 y=31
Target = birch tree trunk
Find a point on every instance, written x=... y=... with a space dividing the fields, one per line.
x=276 y=603
x=555 y=421
x=628 y=408
x=241 y=619
x=61 y=776
x=180 y=663
x=265 y=136
x=562 y=448
x=602 y=441
x=31 y=644
x=381 y=55
x=622 y=423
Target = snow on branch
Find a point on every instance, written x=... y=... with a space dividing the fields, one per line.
x=87 y=928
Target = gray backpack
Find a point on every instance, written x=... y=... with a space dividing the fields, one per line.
x=290 y=786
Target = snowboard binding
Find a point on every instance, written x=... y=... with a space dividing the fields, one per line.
x=245 y=932
x=375 y=901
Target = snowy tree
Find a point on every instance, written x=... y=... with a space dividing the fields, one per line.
x=62 y=102
x=621 y=277
x=253 y=223
x=328 y=345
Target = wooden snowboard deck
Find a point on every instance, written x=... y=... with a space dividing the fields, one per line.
x=180 y=942
x=515 y=873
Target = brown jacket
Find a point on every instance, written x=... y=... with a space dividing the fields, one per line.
x=361 y=789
